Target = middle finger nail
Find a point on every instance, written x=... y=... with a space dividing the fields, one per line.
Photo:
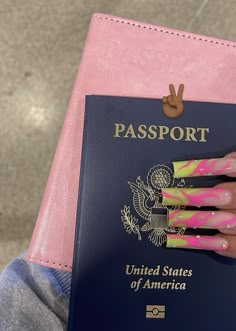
x=196 y=197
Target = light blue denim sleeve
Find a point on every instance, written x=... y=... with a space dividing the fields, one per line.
x=33 y=297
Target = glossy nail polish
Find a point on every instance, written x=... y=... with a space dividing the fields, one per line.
x=207 y=167
x=212 y=243
x=196 y=197
x=201 y=219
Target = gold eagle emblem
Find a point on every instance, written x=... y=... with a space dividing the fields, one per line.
x=147 y=202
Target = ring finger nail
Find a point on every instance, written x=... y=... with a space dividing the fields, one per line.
x=201 y=219
x=196 y=242
x=207 y=167
x=196 y=197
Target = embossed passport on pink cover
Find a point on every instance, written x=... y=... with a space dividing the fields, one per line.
x=124 y=57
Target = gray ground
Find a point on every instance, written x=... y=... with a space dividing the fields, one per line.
x=40 y=48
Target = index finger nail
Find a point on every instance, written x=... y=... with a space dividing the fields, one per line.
x=207 y=167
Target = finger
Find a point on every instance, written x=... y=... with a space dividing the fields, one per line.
x=173 y=104
x=229 y=231
x=230 y=251
x=172 y=91
x=205 y=167
x=169 y=99
x=225 y=221
x=231 y=156
x=230 y=203
x=180 y=92
x=212 y=243
x=164 y=99
x=219 y=196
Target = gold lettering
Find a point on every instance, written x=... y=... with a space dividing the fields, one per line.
x=142 y=131
x=163 y=286
x=142 y=270
x=147 y=284
x=169 y=271
x=203 y=132
x=168 y=285
x=186 y=273
x=165 y=271
x=152 y=132
x=129 y=269
x=118 y=129
x=163 y=131
x=190 y=134
x=175 y=272
x=182 y=286
x=155 y=285
x=173 y=284
x=177 y=286
x=130 y=132
x=156 y=271
x=150 y=271
x=180 y=133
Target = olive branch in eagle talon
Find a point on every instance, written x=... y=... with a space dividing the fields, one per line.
x=130 y=222
x=157 y=237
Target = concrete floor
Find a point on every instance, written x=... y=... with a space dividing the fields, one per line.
x=40 y=45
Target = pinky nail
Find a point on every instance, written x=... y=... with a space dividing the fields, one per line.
x=207 y=167
x=211 y=243
x=201 y=219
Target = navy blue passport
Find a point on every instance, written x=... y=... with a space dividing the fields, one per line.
x=124 y=278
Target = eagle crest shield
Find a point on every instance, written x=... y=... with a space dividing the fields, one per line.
x=146 y=200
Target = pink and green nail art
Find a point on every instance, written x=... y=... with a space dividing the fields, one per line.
x=195 y=197
x=201 y=219
x=207 y=167
x=196 y=242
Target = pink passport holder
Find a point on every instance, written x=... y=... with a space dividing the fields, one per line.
x=123 y=57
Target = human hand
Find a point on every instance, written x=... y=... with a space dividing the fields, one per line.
x=173 y=104
x=222 y=196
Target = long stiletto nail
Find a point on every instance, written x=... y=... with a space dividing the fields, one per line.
x=207 y=167
x=196 y=197
x=212 y=243
x=201 y=219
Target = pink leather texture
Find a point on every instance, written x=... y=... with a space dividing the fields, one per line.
x=123 y=57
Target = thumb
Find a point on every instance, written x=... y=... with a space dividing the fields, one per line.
x=232 y=156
